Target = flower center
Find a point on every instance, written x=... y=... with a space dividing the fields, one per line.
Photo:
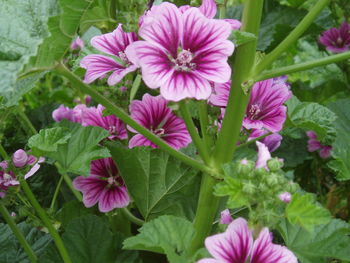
x=159 y=132
x=339 y=41
x=112 y=129
x=183 y=62
x=7 y=177
x=254 y=111
x=123 y=57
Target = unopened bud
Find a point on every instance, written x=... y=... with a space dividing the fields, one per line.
x=249 y=187
x=285 y=197
x=292 y=187
x=272 y=179
x=263 y=187
x=245 y=167
x=261 y=172
x=226 y=217
x=19 y=158
x=274 y=164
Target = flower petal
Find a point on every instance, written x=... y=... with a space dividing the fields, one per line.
x=235 y=24
x=264 y=251
x=32 y=171
x=91 y=187
x=140 y=140
x=263 y=155
x=113 y=198
x=119 y=74
x=208 y=8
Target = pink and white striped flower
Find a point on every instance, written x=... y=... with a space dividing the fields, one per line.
x=113 y=44
x=236 y=245
x=314 y=145
x=153 y=114
x=182 y=52
x=104 y=186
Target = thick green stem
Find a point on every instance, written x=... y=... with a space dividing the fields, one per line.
x=132 y=123
x=302 y=66
x=43 y=216
x=243 y=63
x=206 y=211
x=131 y=217
x=200 y=145
x=31 y=255
x=292 y=37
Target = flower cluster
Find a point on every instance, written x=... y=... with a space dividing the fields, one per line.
x=336 y=40
x=7 y=179
x=315 y=145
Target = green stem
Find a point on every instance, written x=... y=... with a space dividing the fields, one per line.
x=302 y=66
x=204 y=122
x=253 y=140
x=31 y=255
x=222 y=10
x=132 y=123
x=131 y=217
x=3 y=153
x=292 y=37
x=54 y=198
x=206 y=212
x=42 y=214
x=135 y=86
x=201 y=147
x=27 y=124
x=237 y=103
x=69 y=183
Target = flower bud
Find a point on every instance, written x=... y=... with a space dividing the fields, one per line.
x=274 y=164
x=292 y=187
x=4 y=165
x=19 y=158
x=272 y=179
x=77 y=44
x=245 y=167
x=262 y=172
x=226 y=217
x=249 y=188
x=263 y=187
x=285 y=197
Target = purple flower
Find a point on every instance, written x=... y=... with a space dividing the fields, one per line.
x=153 y=114
x=113 y=44
x=236 y=245
x=19 y=158
x=285 y=197
x=314 y=145
x=272 y=141
x=35 y=166
x=225 y=217
x=182 y=52
x=7 y=179
x=61 y=113
x=220 y=95
x=263 y=155
x=77 y=44
x=93 y=116
x=103 y=186
x=336 y=40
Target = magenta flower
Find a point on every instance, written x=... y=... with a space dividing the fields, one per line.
x=103 y=186
x=315 y=145
x=220 y=95
x=93 y=116
x=77 y=44
x=336 y=40
x=73 y=115
x=7 y=179
x=114 y=44
x=182 y=52
x=19 y=158
x=272 y=141
x=225 y=217
x=285 y=197
x=263 y=155
x=236 y=245
x=153 y=114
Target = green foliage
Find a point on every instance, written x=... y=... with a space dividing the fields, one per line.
x=158 y=183
x=327 y=241
x=10 y=249
x=303 y=210
x=70 y=211
x=75 y=146
x=312 y=116
x=169 y=235
x=240 y=38
x=341 y=146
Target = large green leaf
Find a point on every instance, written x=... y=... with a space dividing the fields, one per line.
x=328 y=241
x=73 y=149
x=312 y=116
x=10 y=249
x=159 y=183
x=23 y=26
x=304 y=211
x=341 y=146
x=169 y=235
x=62 y=31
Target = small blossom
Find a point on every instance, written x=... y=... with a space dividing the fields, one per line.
x=7 y=180
x=13 y=214
x=182 y=52
x=104 y=186
x=153 y=114
x=113 y=44
x=272 y=141
x=77 y=44
x=236 y=245
x=19 y=158
x=34 y=168
x=61 y=113
x=336 y=40
x=285 y=197
x=225 y=217
x=314 y=145
x=263 y=155
x=4 y=165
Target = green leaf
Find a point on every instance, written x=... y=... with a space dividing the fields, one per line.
x=169 y=235
x=312 y=116
x=48 y=139
x=240 y=37
x=72 y=210
x=159 y=183
x=22 y=29
x=328 y=241
x=62 y=31
x=75 y=148
x=341 y=146
x=10 y=249
x=304 y=211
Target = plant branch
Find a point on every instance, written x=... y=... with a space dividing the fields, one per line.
x=26 y=123
x=31 y=255
x=54 y=198
x=120 y=113
x=254 y=140
x=131 y=217
x=302 y=66
x=291 y=38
